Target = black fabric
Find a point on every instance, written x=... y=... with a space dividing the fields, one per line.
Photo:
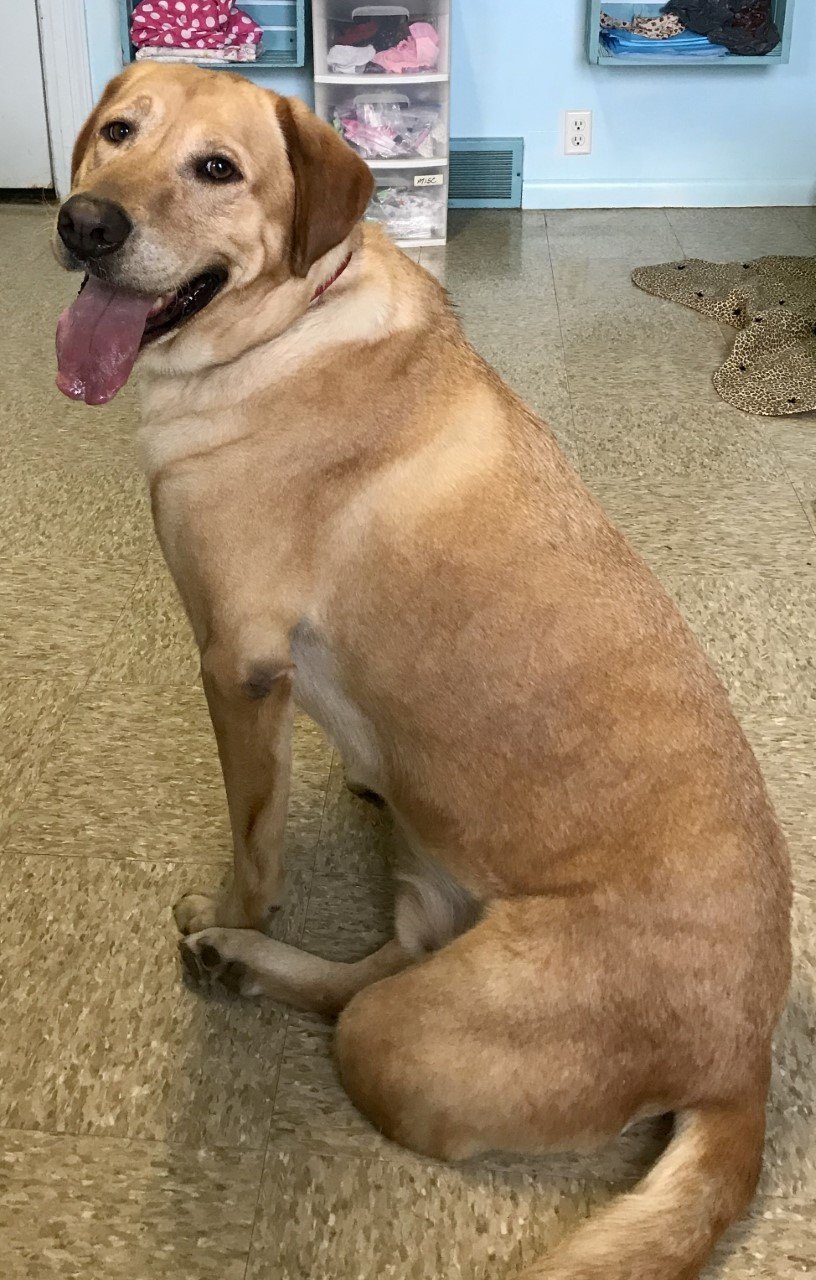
x=383 y=32
x=743 y=26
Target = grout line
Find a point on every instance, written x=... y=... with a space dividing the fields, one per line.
x=334 y=763
x=674 y=232
x=256 y=1214
x=267 y=1144
x=510 y=1164
x=56 y=1132
x=175 y=861
x=574 y=442
x=808 y=509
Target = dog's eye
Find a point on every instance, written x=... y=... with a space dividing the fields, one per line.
x=117 y=130
x=217 y=169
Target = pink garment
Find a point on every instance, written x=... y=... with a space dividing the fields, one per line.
x=420 y=52
x=192 y=24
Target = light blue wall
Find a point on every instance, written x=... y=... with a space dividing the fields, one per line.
x=703 y=136
x=662 y=136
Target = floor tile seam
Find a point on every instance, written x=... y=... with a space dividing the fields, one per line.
x=178 y=863
x=675 y=232
x=144 y=686
x=307 y=905
x=809 y=509
x=20 y=555
x=531 y=1166
x=175 y=860
x=287 y=1019
x=675 y=236
x=805 y=231
x=711 y=568
x=109 y=634
x=201 y=1149
x=43 y=560
x=573 y=424
x=288 y=1016
x=269 y=1138
x=256 y=1213
x=630 y=260
x=654 y=485
x=72 y=858
x=289 y=1145
x=334 y=759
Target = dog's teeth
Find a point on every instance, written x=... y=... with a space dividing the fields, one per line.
x=157 y=306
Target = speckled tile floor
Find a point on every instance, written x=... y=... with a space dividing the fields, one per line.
x=147 y=1133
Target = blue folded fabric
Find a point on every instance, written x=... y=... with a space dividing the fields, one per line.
x=686 y=46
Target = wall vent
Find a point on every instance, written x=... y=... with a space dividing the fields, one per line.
x=485 y=173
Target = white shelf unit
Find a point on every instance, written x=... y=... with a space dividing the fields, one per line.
x=398 y=121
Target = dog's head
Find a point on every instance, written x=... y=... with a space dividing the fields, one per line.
x=188 y=186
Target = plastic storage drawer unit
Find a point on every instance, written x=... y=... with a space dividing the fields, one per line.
x=382 y=81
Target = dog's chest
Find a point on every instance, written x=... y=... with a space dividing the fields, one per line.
x=320 y=691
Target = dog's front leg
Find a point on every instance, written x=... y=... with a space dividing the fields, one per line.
x=251 y=708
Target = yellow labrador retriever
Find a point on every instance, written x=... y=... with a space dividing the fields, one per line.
x=592 y=923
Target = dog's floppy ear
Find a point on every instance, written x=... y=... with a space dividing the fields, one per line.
x=90 y=126
x=332 y=184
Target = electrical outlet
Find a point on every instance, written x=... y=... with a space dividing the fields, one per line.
x=577 y=133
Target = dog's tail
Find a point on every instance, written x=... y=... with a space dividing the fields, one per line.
x=666 y=1228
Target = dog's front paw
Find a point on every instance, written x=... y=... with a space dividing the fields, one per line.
x=206 y=960
x=194 y=912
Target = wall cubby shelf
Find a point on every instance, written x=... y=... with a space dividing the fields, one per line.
x=284 y=34
x=625 y=9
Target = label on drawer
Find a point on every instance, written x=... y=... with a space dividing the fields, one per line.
x=428 y=179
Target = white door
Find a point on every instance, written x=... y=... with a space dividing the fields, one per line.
x=25 y=160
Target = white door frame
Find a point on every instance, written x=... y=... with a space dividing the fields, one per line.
x=67 y=80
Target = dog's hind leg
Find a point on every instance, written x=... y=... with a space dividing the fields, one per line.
x=251 y=964
x=431 y=909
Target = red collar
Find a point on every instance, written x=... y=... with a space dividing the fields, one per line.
x=323 y=287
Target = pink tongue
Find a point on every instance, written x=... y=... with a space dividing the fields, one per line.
x=98 y=339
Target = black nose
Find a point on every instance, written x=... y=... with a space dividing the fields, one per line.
x=90 y=227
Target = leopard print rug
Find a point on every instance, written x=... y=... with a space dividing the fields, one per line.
x=771 y=302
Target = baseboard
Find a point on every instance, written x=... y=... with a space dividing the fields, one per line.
x=665 y=195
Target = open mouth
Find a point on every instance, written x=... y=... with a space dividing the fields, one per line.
x=100 y=335
x=174 y=309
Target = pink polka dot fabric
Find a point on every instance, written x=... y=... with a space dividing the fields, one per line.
x=192 y=24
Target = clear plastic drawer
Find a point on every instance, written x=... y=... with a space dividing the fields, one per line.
x=408 y=122
x=385 y=40
x=411 y=203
